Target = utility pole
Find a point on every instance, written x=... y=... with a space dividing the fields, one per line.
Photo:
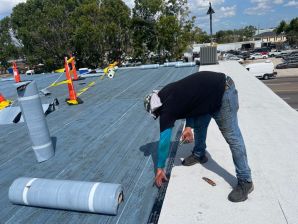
x=210 y=12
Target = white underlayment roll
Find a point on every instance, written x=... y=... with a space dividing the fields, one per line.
x=170 y=64
x=153 y=66
x=32 y=111
x=111 y=73
x=186 y=64
x=93 y=197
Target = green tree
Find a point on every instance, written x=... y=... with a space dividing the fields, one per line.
x=291 y=30
x=282 y=27
x=8 y=48
x=44 y=28
x=143 y=27
x=103 y=32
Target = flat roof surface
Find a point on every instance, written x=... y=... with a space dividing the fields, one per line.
x=269 y=127
x=109 y=138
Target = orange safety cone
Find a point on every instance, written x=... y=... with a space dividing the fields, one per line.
x=16 y=73
x=73 y=99
x=74 y=70
x=2 y=98
x=3 y=102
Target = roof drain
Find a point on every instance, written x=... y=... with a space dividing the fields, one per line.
x=155 y=212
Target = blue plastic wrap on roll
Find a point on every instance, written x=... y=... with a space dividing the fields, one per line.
x=187 y=64
x=170 y=64
x=32 y=111
x=94 y=197
x=153 y=66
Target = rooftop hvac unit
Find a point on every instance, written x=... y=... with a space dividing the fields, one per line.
x=208 y=55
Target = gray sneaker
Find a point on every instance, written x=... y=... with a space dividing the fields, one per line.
x=241 y=191
x=192 y=159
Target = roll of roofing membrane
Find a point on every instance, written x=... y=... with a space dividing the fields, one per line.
x=187 y=64
x=150 y=66
x=94 y=197
x=111 y=73
x=170 y=64
x=36 y=123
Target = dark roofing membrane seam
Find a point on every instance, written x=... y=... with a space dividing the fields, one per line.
x=156 y=209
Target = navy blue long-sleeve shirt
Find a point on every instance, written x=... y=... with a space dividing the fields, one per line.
x=198 y=94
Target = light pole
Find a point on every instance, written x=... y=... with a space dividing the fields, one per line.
x=210 y=12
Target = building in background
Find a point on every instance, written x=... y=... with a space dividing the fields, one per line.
x=270 y=36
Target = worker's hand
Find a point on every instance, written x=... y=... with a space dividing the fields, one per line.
x=160 y=177
x=187 y=135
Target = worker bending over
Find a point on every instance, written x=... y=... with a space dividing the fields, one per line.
x=198 y=98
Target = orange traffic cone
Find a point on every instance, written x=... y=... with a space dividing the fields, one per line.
x=73 y=99
x=2 y=98
x=16 y=73
x=74 y=70
x=3 y=102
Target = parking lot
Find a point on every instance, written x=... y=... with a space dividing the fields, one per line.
x=285 y=84
x=286 y=88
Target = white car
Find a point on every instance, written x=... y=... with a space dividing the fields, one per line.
x=235 y=58
x=29 y=72
x=258 y=56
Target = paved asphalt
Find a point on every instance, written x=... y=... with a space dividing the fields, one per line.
x=286 y=88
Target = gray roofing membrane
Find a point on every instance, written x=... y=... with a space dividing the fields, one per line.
x=109 y=138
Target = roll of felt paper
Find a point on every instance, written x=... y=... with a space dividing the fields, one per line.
x=170 y=64
x=111 y=73
x=187 y=64
x=150 y=66
x=91 y=197
x=33 y=114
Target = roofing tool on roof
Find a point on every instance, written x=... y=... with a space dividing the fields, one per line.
x=3 y=102
x=93 y=197
x=209 y=181
x=73 y=99
x=182 y=142
x=37 y=127
x=16 y=73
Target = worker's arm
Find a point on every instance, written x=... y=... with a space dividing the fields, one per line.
x=162 y=155
x=187 y=134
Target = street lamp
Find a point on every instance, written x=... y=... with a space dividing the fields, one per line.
x=210 y=12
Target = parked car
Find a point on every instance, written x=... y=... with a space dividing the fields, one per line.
x=245 y=55
x=274 y=53
x=263 y=70
x=281 y=55
x=290 y=64
x=235 y=58
x=291 y=56
x=258 y=56
x=29 y=72
x=263 y=50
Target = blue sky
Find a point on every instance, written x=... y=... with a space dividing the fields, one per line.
x=229 y=14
